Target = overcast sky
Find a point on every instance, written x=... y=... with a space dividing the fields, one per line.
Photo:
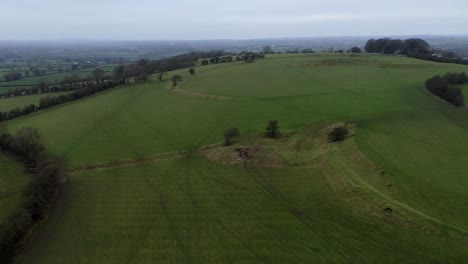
x=219 y=19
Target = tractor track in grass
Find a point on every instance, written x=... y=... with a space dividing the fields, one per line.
x=252 y=171
x=249 y=168
x=201 y=95
x=308 y=222
x=129 y=162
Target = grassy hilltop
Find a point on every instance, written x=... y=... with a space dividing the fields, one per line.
x=301 y=199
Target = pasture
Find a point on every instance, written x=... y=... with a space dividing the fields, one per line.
x=407 y=152
x=6 y=104
x=50 y=76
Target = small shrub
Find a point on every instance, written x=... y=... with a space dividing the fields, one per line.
x=272 y=129
x=176 y=79
x=230 y=135
x=338 y=134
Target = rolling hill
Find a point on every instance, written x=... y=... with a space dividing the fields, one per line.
x=149 y=183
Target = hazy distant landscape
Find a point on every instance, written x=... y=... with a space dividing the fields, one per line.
x=132 y=50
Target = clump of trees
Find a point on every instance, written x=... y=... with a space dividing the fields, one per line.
x=268 y=50
x=11 y=76
x=230 y=135
x=272 y=129
x=142 y=69
x=413 y=46
x=308 y=50
x=249 y=57
x=355 y=50
x=445 y=87
x=176 y=79
x=48 y=174
x=217 y=59
x=192 y=71
x=338 y=134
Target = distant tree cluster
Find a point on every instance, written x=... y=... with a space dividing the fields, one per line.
x=249 y=57
x=445 y=87
x=48 y=173
x=355 y=50
x=141 y=70
x=413 y=46
x=308 y=50
x=12 y=76
x=268 y=50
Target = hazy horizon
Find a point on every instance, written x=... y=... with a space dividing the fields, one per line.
x=238 y=20
x=91 y=40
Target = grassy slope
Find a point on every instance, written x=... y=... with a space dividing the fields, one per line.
x=12 y=182
x=190 y=210
x=417 y=139
x=8 y=104
x=154 y=118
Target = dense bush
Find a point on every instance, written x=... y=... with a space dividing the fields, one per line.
x=48 y=172
x=338 y=134
x=176 y=79
x=444 y=87
x=272 y=129
x=230 y=135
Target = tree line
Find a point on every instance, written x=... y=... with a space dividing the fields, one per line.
x=139 y=71
x=142 y=69
x=413 y=47
x=50 y=101
x=445 y=87
x=69 y=83
x=48 y=173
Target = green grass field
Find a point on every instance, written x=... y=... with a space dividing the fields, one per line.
x=8 y=104
x=54 y=77
x=12 y=182
x=196 y=209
